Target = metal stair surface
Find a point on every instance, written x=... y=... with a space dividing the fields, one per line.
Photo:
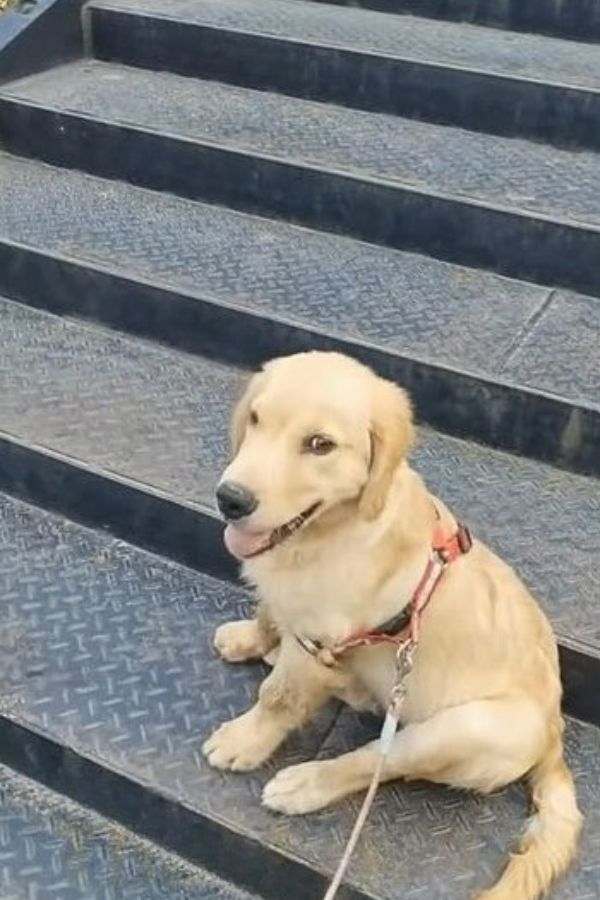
x=578 y=19
x=485 y=357
x=475 y=77
x=522 y=209
x=53 y=849
x=150 y=425
x=111 y=682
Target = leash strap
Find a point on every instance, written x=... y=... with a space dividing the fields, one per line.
x=404 y=664
x=444 y=551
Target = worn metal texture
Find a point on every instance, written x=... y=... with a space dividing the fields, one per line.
x=39 y=34
x=414 y=305
x=451 y=74
x=107 y=651
x=568 y=330
x=160 y=419
x=405 y=208
x=163 y=269
x=574 y=19
x=53 y=849
x=410 y=304
x=479 y=48
x=512 y=174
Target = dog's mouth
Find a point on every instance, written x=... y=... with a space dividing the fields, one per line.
x=249 y=544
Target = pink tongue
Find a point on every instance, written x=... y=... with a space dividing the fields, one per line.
x=242 y=544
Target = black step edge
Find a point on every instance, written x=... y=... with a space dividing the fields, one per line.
x=512 y=242
x=572 y=19
x=523 y=421
x=160 y=818
x=39 y=34
x=563 y=115
x=192 y=535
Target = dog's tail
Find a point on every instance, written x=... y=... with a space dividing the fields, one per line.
x=549 y=844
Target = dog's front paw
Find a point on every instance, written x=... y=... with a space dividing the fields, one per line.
x=239 y=745
x=299 y=789
x=240 y=641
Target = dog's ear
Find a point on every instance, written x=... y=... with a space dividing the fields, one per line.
x=239 y=418
x=392 y=434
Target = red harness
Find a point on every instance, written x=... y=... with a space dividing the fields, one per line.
x=406 y=626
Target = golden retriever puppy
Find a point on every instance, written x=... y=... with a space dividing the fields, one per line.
x=335 y=531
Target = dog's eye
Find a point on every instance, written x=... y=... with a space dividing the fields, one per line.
x=253 y=418
x=319 y=445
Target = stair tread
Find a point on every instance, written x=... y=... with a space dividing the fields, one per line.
x=52 y=847
x=160 y=418
x=505 y=173
x=127 y=638
x=417 y=306
x=459 y=45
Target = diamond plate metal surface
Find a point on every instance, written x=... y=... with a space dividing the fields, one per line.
x=514 y=174
x=161 y=418
x=561 y=348
x=107 y=649
x=459 y=45
x=53 y=849
x=413 y=304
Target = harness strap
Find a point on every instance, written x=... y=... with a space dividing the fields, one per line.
x=406 y=625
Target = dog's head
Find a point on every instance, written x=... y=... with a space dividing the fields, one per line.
x=312 y=432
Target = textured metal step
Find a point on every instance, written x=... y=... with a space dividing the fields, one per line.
x=574 y=19
x=54 y=849
x=450 y=73
x=123 y=434
x=518 y=208
x=109 y=685
x=486 y=358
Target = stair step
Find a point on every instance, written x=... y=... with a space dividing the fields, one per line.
x=54 y=849
x=123 y=434
x=111 y=684
x=456 y=74
x=574 y=19
x=521 y=209
x=486 y=358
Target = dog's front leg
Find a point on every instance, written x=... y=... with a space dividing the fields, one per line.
x=288 y=697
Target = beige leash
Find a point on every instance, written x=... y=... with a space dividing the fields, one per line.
x=444 y=551
x=404 y=662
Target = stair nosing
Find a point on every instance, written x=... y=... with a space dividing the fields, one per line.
x=374 y=54
x=37 y=455
x=205 y=298
x=290 y=162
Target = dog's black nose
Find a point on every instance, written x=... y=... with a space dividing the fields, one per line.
x=235 y=501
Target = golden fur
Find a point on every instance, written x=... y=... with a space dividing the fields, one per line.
x=483 y=701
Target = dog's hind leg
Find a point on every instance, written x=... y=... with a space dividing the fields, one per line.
x=480 y=745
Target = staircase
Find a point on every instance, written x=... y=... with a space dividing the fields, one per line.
x=215 y=183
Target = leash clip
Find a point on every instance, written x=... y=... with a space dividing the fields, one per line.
x=404 y=665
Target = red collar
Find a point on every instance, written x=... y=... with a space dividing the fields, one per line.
x=406 y=626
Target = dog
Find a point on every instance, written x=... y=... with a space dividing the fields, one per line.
x=335 y=532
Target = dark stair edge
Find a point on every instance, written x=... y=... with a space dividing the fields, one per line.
x=571 y=20
x=495 y=413
x=39 y=35
x=192 y=536
x=512 y=106
x=514 y=243
x=166 y=821
x=137 y=513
